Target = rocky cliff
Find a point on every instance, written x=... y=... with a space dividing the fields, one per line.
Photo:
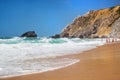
x=100 y=23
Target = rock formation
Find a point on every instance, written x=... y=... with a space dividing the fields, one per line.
x=116 y=29
x=95 y=24
x=56 y=36
x=29 y=34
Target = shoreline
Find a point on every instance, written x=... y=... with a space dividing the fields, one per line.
x=80 y=69
x=39 y=71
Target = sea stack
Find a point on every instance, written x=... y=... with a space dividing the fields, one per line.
x=95 y=24
x=29 y=34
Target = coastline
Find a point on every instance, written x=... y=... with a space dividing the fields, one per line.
x=101 y=63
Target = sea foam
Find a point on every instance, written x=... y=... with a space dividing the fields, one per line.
x=20 y=56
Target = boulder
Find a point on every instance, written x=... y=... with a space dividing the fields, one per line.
x=56 y=36
x=29 y=34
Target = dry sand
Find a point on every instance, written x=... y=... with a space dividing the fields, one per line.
x=102 y=63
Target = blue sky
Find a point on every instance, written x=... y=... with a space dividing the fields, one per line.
x=46 y=17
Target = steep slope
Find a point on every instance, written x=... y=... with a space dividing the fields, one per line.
x=100 y=23
x=116 y=29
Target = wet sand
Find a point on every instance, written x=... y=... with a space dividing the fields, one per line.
x=102 y=63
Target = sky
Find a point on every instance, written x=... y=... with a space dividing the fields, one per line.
x=45 y=17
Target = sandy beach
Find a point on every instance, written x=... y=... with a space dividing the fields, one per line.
x=102 y=63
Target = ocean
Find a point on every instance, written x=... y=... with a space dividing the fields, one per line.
x=20 y=56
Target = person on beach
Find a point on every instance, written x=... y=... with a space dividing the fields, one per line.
x=113 y=40
x=110 y=40
x=107 y=40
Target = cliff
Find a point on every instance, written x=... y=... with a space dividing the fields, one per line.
x=94 y=24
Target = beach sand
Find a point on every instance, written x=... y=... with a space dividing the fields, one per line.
x=102 y=63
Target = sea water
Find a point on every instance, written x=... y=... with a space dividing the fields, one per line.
x=20 y=56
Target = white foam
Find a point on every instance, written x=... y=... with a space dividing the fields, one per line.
x=22 y=51
x=12 y=56
x=0 y=69
x=26 y=72
x=46 y=49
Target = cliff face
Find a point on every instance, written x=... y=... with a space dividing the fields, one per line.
x=100 y=23
x=116 y=29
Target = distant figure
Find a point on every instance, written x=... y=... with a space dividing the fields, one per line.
x=108 y=40
x=113 y=40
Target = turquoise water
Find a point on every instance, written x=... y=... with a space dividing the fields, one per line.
x=19 y=56
x=16 y=40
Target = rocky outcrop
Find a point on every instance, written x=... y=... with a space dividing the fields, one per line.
x=29 y=34
x=95 y=24
x=56 y=36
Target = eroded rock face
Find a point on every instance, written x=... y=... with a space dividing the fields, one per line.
x=29 y=34
x=94 y=24
x=116 y=29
